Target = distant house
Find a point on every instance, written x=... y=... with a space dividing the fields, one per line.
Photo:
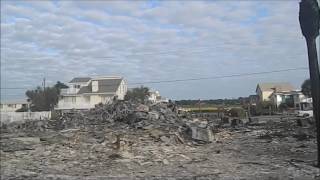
x=243 y=100
x=86 y=92
x=155 y=97
x=14 y=105
x=265 y=90
x=306 y=104
x=293 y=99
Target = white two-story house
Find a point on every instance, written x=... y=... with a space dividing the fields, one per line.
x=155 y=97
x=86 y=92
x=296 y=98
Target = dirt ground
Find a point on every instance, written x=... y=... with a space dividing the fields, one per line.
x=273 y=148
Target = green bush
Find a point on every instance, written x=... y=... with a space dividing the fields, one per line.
x=237 y=112
x=139 y=94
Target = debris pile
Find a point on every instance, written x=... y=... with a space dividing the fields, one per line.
x=125 y=116
x=144 y=141
x=301 y=129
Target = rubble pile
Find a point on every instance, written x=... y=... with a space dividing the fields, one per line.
x=299 y=128
x=125 y=116
x=145 y=141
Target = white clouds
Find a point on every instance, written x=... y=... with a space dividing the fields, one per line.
x=178 y=40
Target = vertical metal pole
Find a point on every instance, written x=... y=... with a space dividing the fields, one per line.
x=44 y=84
x=44 y=92
x=315 y=86
x=200 y=106
x=309 y=17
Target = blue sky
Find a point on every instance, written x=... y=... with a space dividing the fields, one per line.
x=150 y=41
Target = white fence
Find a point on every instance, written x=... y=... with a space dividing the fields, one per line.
x=7 y=117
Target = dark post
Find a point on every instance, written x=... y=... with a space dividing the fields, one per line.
x=200 y=107
x=309 y=17
x=44 y=92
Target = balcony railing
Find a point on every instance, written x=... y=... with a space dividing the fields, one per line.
x=74 y=106
x=69 y=91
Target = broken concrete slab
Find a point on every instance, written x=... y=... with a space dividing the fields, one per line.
x=201 y=134
x=154 y=115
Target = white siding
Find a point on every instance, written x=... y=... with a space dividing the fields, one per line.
x=122 y=90
x=74 y=102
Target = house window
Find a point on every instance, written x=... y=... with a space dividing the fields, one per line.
x=1 y=106
x=76 y=86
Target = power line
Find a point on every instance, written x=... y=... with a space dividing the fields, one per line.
x=201 y=78
x=220 y=77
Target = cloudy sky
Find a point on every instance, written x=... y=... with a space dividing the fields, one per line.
x=152 y=41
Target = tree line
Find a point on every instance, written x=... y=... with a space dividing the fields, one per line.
x=43 y=99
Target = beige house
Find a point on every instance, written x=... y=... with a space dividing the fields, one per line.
x=86 y=92
x=12 y=106
x=265 y=90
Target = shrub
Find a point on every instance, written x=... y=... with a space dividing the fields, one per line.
x=237 y=112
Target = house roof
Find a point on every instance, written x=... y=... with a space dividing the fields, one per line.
x=80 y=79
x=279 y=87
x=104 y=86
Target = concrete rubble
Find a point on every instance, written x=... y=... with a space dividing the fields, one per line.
x=129 y=140
x=123 y=116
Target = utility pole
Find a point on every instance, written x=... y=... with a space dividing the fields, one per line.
x=309 y=17
x=44 y=91
x=200 y=106
x=44 y=84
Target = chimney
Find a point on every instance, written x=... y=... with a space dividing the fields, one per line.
x=95 y=86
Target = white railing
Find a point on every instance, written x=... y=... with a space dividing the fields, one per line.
x=69 y=91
